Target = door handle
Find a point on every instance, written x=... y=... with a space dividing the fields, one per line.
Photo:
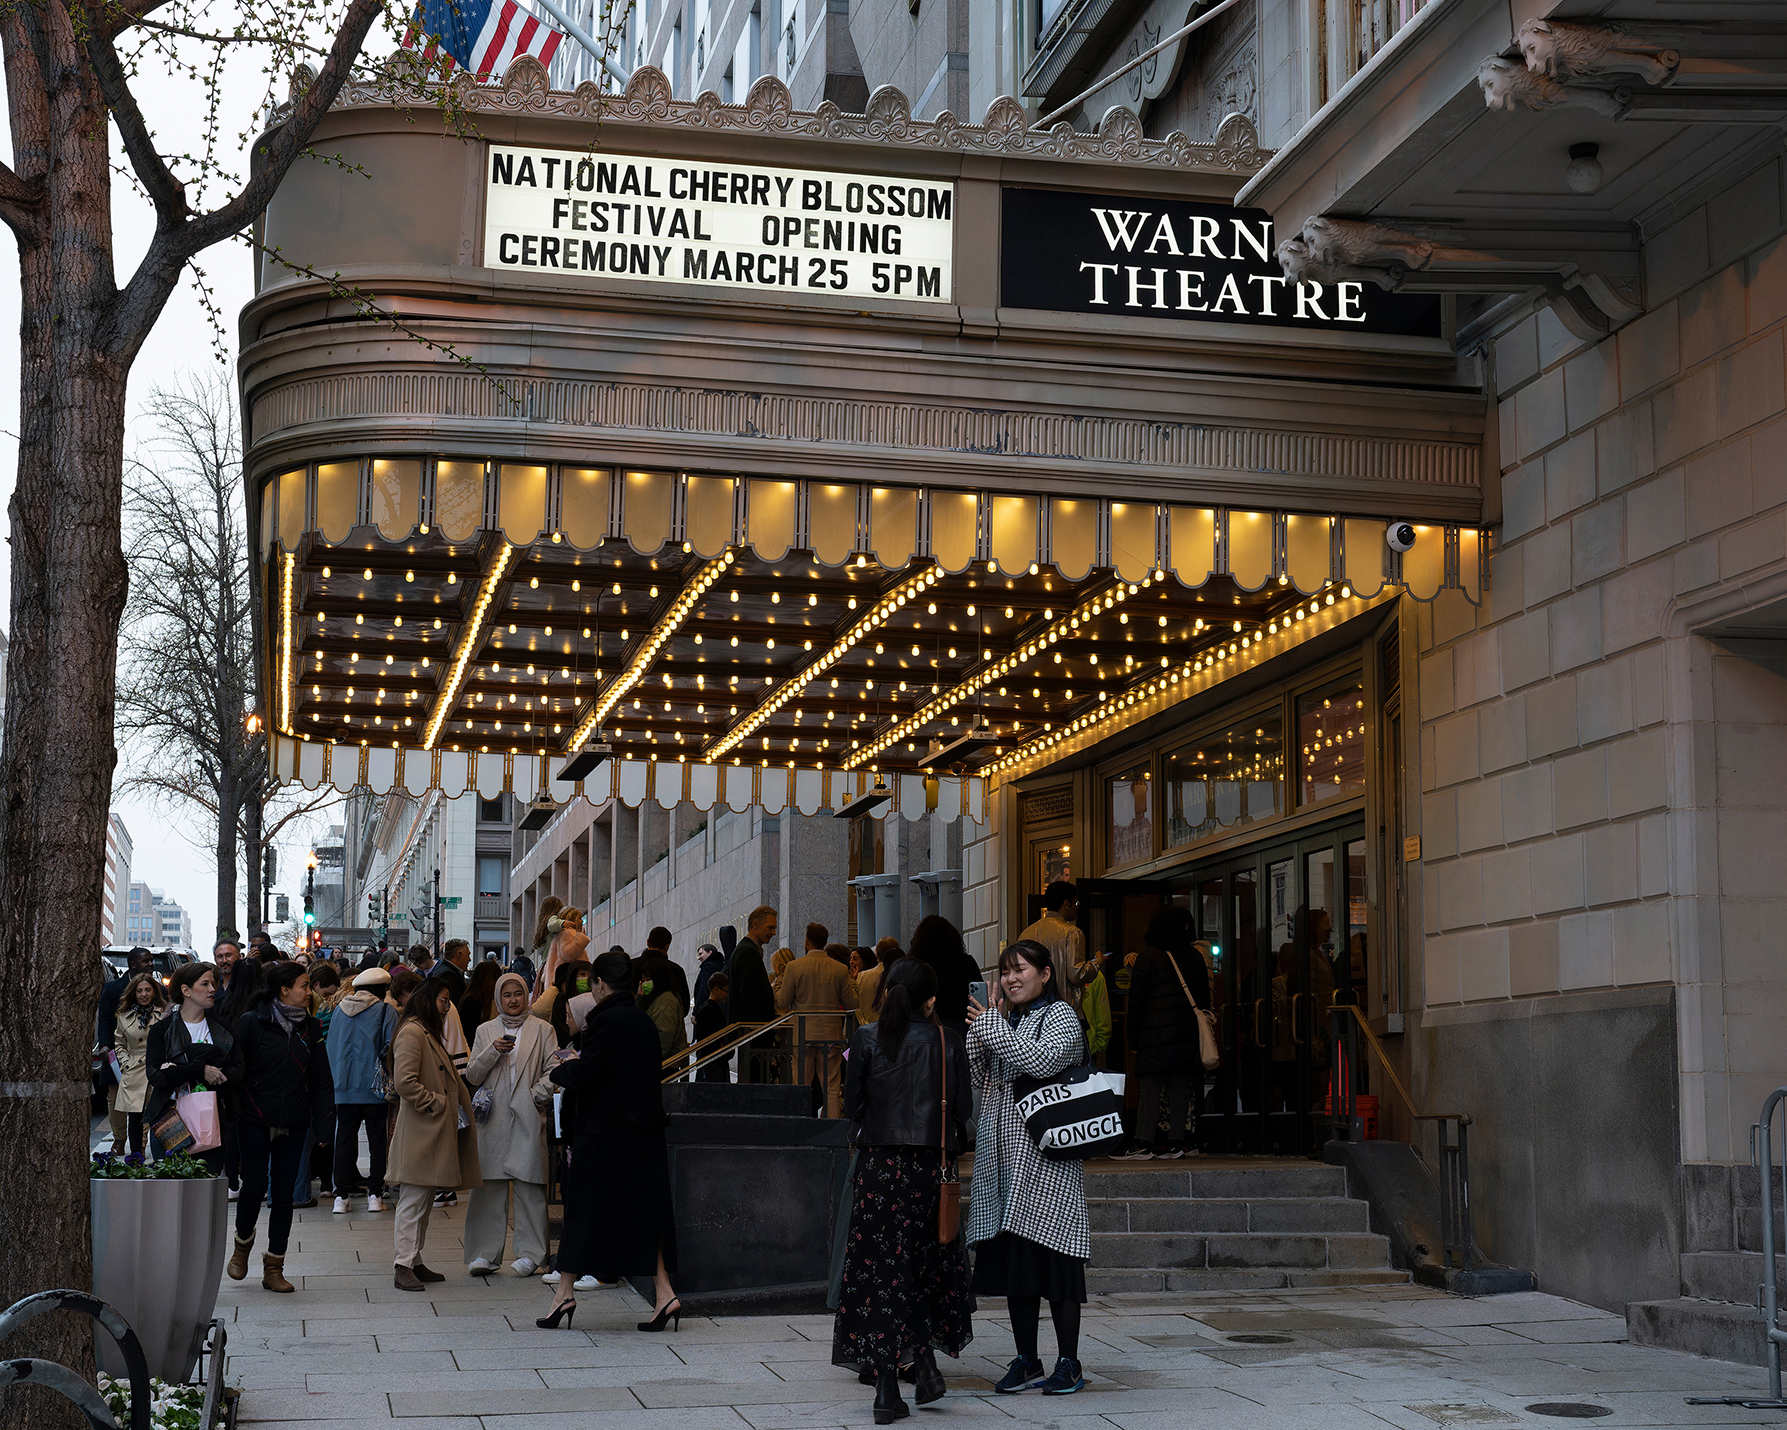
x=1259 y=1038
x=1295 y=1040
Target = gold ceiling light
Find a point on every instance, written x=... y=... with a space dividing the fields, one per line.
x=469 y=640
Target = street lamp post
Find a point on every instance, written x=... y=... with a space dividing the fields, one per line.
x=437 y=916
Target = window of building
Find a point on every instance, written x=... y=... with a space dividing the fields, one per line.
x=490 y=874
x=1331 y=742
x=1132 y=814
x=726 y=86
x=1053 y=862
x=490 y=811
x=676 y=58
x=1046 y=14
x=1230 y=778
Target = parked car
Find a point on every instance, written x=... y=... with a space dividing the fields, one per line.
x=115 y=959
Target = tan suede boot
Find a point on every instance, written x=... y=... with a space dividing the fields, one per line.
x=273 y=1274
x=238 y=1267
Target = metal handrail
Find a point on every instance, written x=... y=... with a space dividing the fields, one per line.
x=1762 y=1140
x=1456 y=1236
x=32 y=1371
x=734 y=1035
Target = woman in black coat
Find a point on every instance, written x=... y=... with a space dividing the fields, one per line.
x=618 y=1215
x=191 y=1048
x=1163 y=1030
x=286 y=1097
x=903 y=1293
x=938 y=943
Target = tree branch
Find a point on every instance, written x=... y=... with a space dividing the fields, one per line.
x=165 y=191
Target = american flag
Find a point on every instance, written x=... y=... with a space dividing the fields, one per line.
x=480 y=35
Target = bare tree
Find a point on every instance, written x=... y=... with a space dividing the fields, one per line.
x=70 y=66
x=186 y=685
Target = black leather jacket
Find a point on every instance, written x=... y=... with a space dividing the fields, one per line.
x=897 y=1102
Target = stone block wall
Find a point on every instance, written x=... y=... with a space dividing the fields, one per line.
x=1603 y=802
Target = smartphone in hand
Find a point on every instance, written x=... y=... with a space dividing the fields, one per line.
x=977 y=990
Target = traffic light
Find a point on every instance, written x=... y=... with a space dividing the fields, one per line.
x=269 y=865
x=309 y=912
x=372 y=906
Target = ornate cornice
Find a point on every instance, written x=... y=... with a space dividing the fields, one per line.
x=623 y=410
x=525 y=91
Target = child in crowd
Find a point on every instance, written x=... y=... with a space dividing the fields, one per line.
x=710 y=1017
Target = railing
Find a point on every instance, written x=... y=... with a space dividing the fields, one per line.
x=1349 y=1029
x=31 y=1371
x=491 y=906
x=749 y=1036
x=1762 y=1156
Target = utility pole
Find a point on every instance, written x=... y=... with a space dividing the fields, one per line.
x=437 y=916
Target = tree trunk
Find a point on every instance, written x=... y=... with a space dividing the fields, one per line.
x=253 y=847
x=228 y=851
x=68 y=589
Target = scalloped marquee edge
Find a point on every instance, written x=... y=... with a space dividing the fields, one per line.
x=525 y=89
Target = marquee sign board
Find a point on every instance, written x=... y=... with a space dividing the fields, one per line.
x=1115 y=254
x=597 y=214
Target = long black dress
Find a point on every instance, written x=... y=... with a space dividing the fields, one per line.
x=618 y=1215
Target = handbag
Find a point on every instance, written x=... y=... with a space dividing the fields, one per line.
x=949 y=1190
x=1075 y=1115
x=483 y=1102
x=198 y=1113
x=1208 y=1049
x=384 y=1080
x=171 y=1133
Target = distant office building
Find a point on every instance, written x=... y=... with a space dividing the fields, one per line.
x=115 y=892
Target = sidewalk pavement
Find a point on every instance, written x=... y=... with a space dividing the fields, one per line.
x=349 y=1351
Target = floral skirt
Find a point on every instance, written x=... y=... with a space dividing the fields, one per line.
x=901 y=1291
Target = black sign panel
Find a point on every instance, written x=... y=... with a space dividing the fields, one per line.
x=1178 y=258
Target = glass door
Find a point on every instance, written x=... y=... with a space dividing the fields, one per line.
x=1284 y=929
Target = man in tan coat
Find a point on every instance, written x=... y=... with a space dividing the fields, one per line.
x=435 y=1147
x=817 y=983
x=1056 y=932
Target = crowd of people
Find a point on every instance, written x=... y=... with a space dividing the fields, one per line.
x=498 y=1082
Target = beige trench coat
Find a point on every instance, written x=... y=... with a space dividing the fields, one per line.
x=512 y=1144
x=426 y=1150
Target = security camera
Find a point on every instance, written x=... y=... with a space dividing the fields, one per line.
x=1401 y=536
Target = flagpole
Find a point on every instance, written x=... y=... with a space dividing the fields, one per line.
x=577 y=33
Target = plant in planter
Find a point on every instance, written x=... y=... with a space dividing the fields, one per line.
x=171 y=1407
x=160 y=1234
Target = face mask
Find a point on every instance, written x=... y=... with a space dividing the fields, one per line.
x=581 y=985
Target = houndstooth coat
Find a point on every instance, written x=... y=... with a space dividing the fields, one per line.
x=1014 y=1188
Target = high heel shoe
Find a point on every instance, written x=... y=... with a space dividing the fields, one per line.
x=567 y=1309
x=673 y=1310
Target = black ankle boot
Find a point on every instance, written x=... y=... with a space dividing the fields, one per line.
x=928 y=1377
x=888 y=1405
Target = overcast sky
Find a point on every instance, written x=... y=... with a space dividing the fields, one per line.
x=171 y=850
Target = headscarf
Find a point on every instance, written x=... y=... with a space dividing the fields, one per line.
x=577 y=1011
x=512 y=1025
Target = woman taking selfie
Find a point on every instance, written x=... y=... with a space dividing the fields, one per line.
x=508 y=1067
x=904 y=1291
x=191 y=1050
x=1028 y=1217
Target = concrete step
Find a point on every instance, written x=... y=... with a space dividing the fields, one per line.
x=1239 y=1251
x=1289 y=1214
x=1733 y=1276
x=1107 y=1281
x=1703 y=1328
x=1188 y=1180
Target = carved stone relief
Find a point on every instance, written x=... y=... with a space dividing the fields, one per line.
x=769 y=109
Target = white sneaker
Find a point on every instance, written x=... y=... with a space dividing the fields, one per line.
x=235 y=1192
x=524 y=1266
x=341 y=1206
x=550 y=1278
x=587 y=1283
x=375 y=1204
x=480 y=1266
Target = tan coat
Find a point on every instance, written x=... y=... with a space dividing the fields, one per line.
x=133 y=1059
x=426 y=1150
x=816 y=983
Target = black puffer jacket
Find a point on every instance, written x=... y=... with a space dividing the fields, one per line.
x=1163 y=1030
x=285 y=1076
x=175 y=1062
x=896 y=1102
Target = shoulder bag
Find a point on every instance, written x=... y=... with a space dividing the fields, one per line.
x=1075 y=1115
x=1208 y=1049
x=949 y=1191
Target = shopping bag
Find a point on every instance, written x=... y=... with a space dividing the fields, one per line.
x=1074 y=1115
x=198 y=1111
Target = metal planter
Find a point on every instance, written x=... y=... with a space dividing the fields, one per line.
x=158 y=1254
